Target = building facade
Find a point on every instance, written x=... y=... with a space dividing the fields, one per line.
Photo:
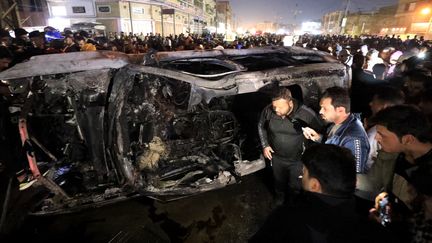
x=332 y=22
x=359 y=23
x=224 y=17
x=267 y=27
x=167 y=17
x=384 y=18
x=413 y=17
x=409 y=17
x=380 y=22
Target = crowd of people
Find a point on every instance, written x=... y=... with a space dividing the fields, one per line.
x=353 y=174
x=372 y=142
x=25 y=45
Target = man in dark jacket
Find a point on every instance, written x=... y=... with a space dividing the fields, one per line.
x=347 y=130
x=405 y=130
x=70 y=45
x=280 y=131
x=325 y=212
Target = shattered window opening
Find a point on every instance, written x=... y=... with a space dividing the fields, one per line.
x=307 y=59
x=264 y=62
x=199 y=67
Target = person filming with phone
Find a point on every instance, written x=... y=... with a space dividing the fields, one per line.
x=405 y=130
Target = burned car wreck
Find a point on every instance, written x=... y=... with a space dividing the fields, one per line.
x=107 y=126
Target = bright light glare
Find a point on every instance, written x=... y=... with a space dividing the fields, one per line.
x=58 y=11
x=59 y=23
x=425 y=11
x=240 y=31
x=221 y=28
x=421 y=55
x=311 y=28
x=288 y=40
x=212 y=29
x=281 y=31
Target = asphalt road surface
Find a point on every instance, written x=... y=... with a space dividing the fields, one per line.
x=231 y=214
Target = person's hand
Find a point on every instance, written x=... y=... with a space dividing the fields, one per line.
x=373 y=212
x=267 y=151
x=374 y=215
x=309 y=133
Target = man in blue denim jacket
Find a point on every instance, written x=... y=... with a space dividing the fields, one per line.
x=347 y=130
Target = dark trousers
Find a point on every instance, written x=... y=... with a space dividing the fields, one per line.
x=286 y=175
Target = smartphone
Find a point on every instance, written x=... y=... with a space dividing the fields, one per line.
x=384 y=211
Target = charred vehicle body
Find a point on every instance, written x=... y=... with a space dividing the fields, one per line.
x=106 y=126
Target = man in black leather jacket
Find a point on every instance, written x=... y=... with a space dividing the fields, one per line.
x=280 y=131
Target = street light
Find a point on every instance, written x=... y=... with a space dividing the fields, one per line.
x=427 y=11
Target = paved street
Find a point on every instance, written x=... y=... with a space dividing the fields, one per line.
x=231 y=214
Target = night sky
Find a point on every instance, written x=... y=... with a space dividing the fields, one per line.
x=250 y=12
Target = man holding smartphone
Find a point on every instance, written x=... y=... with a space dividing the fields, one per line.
x=406 y=130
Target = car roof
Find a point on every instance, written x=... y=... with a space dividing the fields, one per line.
x=178 y=55
x=86 y=61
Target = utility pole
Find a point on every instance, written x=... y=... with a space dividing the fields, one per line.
x=217 y=19
x=130 y=17
x=296 y=12
x=162 y=23
x=189 y=25
x=344 y=19
x=226 y=19
x=174 y=23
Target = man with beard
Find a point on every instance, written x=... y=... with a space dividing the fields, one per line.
x=280 y=131
x=346 y=129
